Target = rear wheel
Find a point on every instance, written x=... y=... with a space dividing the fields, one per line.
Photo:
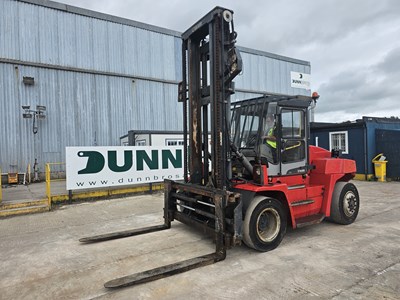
x=345 y=203
x=264 y=224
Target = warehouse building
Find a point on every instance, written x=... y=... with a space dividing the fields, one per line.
x=75 y=77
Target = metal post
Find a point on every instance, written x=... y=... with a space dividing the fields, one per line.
x=35 y=115
x=48 y=189
x=29 y=173
x=1 y=189
x=35 y=168
x=220 y=249
x=195 y=126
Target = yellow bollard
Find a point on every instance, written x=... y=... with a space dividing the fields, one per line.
x=48 y=190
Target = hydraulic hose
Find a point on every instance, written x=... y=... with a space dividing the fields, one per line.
x=243 y=159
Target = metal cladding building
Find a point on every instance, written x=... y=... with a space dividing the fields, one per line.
x=99 y=76
x=362 y=140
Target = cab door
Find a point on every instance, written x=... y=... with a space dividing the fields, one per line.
x=293 y=137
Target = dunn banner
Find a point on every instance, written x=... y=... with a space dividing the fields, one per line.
x=96 y=167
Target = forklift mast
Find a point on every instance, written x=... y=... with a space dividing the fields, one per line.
x=210 y=62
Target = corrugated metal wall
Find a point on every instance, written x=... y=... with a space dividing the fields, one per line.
x=99 y=77
x=82 y=110
x=262 y=73
x=34 y=33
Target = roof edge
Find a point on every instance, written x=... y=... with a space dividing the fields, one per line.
x=275 y=56
x=106 y=17
x=102 y=16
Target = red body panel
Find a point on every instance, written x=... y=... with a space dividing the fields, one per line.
x=314 y=188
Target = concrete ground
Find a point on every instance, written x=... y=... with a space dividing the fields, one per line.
x=41 y=257
x=17 y=194
x=34 y=191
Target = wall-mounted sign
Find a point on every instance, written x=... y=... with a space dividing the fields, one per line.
x=300 y=80
x=96 y=167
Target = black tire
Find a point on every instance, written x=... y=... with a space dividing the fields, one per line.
x=264 y=224
x=345 y=203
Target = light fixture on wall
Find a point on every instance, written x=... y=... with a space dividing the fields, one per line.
x=28 y=80
x=27 y=114
x=38 y=114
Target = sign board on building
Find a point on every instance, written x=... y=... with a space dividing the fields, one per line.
x=300 y=80
x=96 y=167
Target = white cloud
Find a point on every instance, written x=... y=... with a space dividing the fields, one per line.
x=353 y=46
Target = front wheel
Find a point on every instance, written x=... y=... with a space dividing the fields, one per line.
x=264 y=224
x=345 y=203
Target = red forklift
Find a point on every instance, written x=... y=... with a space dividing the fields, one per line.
x=249 y=171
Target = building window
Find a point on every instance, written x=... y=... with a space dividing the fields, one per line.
x=339 y=141
x=140 y=143
x=171 y=142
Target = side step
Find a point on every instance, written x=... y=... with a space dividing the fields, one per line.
x=301 y=202
x=309 y=220
x=24 y=208
x=13 y=205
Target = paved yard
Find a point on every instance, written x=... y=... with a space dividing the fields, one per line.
x=41 y=258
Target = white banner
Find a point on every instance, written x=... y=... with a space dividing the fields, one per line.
x=96 y=167
x=300 y=80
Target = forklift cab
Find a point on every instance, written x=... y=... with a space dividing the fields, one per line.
x=272 y=130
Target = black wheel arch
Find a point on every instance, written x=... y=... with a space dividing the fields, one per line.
x=248 y=196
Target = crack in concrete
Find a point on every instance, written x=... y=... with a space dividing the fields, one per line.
x=379 y=213
x=361 y=280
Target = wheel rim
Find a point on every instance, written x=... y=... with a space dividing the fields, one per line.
x=349 y=204
x=268 y=225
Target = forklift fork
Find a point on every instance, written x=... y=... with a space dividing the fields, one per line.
x=177 y=191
